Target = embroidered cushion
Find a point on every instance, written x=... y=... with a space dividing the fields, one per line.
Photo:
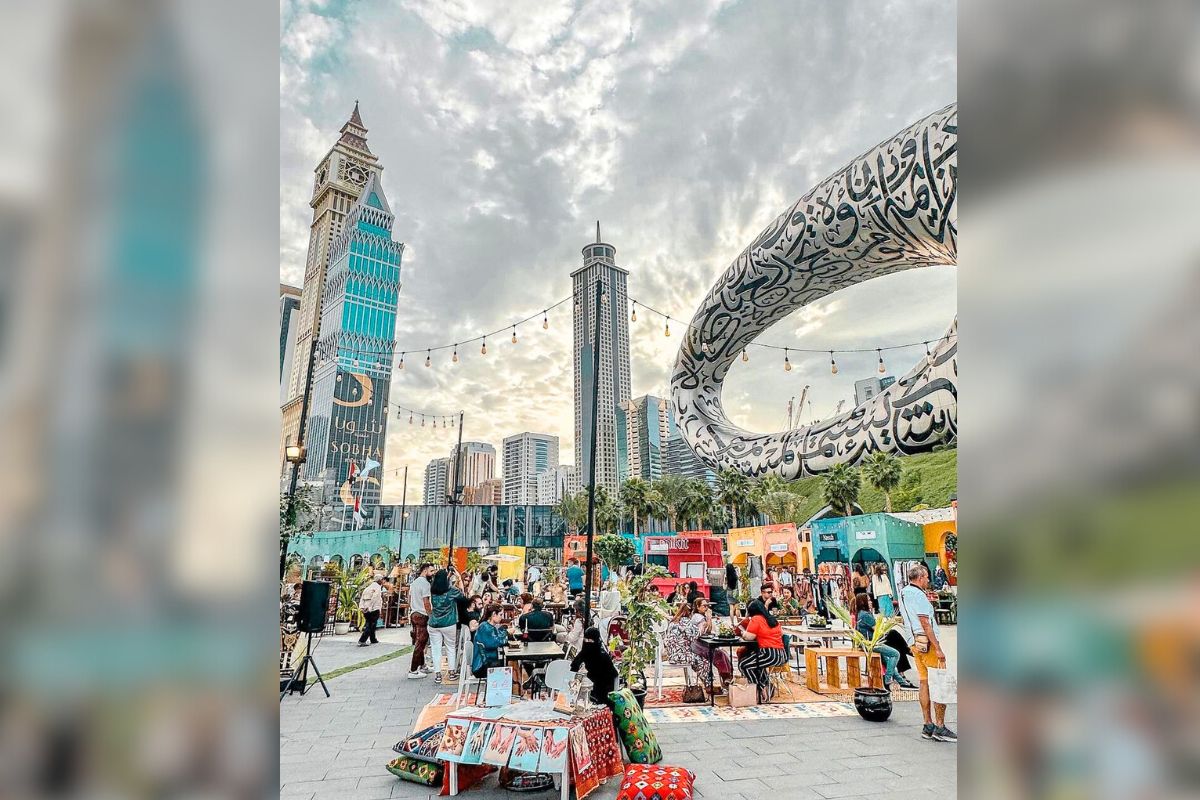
x=422 y=745
x=416 y=771
x=640 y=742
x=656 y=782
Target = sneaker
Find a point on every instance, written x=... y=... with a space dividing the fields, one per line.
x=927 y=730
x=454 y=676
x=426 y=670
x=944 y=734
x=437 y=678
x=905 y=683
x=416 y=675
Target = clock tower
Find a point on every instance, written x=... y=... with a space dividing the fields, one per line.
x=339 y=180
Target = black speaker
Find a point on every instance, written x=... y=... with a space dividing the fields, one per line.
x=314 y=599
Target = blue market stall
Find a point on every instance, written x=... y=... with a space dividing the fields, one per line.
x=839 y=542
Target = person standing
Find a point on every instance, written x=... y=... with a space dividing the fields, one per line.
x=881 y=587
x=575 y=576
x=443 y=627
x=533 y=576
x=371 y=603
x=922 y=629
x=786 y=580
x=420 y=606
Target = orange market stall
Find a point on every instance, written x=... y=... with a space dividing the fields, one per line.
x=576 y=547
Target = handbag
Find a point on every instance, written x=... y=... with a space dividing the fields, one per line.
x=694 y=694
x=742 y=693
x=920 y=643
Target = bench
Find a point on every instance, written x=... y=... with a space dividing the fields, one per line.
x=833 y=671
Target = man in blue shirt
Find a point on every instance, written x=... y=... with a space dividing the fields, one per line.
x=575 y=577
x=922 y=627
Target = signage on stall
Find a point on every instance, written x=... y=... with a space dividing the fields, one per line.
x=864 y=534
x=779 y=547
x=659 y=546
x=744 y=543
x=680 y=543
x=829 y=537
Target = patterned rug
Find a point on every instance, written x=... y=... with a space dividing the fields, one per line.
x=698 y=713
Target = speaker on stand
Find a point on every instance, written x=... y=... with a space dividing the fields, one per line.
x=310 y=619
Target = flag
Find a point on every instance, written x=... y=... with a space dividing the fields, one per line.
x=358 y=517
x=353 y=472
x=370 y=465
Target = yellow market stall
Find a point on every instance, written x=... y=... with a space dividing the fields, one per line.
x=744 y=543
x=513 y=568
x=777 y=545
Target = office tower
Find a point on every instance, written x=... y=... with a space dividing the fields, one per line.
x=611 y=372
x=681 y=460
x=478 y=464
x=527 y=455
x=437 y=482
x=867 y=388
x=556 y=483
x=644 y=426
x=488 y=493
x=289 y=313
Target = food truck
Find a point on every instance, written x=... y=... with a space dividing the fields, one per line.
x=688 y=556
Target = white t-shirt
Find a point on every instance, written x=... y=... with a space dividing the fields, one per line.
x=785 y=578
x=534 y=575
x=418 y=593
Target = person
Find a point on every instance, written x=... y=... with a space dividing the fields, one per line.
x=490 y=639
x=922 y=629
x=771 y=578
x=491 y=578
x=693 y=592
x=537 y=624
x=881 y=587
x=940 y=581
x=680 y=640
x=420 y=606
x=371 y=603
x=763 y=629
x=702 y=618
x=864 y=623
x=731 y=579
x=575 y=575
x=789 y=606
x=860 y=581
x=532 y=576
x=636 y=568
x=443 y=626
x=600 y=668
x=676 y=596
x=786 y=580
x=511 y=591
x=804 y=591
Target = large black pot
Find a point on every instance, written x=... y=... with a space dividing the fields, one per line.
x=873 y=705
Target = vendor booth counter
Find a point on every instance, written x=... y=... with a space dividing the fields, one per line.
x=689 y=556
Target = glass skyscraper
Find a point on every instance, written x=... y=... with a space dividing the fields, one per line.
x=348 y=418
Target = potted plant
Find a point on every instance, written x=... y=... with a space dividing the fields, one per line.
x=644 y=612
x=873 y=705
x=349 y=588
x=615 y=551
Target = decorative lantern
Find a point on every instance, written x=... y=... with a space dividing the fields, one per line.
x=581 y=691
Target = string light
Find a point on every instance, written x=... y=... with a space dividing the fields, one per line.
x=787 y=365
x=428 y=360
x=882 y=368
x=928 y=355
x=745 y=357
x=455 y=358
x=483 y=350
x=633 y=316
x=410 y=418
x=667 y=330
x=401 y=366
x=545 y=321
x=422 y=420
x=514 y=336
x=832 y=364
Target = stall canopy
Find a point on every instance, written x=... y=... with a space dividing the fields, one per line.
x=866 y=538
x=511 y=569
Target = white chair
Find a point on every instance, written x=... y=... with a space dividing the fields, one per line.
x=660 y=630
x=558 y=676
x=464 y=671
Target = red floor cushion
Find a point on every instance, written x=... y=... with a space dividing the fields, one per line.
x=656 y=782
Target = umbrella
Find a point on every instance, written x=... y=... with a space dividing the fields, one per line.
x=502 y=557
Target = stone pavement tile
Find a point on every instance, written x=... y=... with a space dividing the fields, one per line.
x=752 y=787
x=880 y=785
x=284 y=794
x=303 y=773
x=793 y=787
x=346 y=785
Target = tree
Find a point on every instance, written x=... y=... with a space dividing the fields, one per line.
x=779 y=506
x=673 y=493
x=608 y=512
x=614 y=550
x=698 y=499
x=733 y=490
x=841 y=486
x=637 y=497
x=574 y=510
x=883 y=471
x=295 y=516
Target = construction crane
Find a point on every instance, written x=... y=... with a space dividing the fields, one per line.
x=795 y=410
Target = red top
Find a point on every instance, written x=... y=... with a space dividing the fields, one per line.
x=766 y=635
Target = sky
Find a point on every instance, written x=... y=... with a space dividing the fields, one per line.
x=507 y=129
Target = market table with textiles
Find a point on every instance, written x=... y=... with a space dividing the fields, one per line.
x=581 y=746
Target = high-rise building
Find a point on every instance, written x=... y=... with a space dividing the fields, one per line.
x=867 y=388
x=644 y=426
x=527 y=455
x=681 y=460
x=478 y=464
x=340 y=178
x=556 y=483
x=289 y=312
x=437 y=482
x=488 y=493
x=611 y=372
x=349 y=410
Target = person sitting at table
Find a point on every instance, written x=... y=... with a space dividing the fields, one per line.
x=789 y=606
x=764 y=630
x=702 y=618
x=536 y=625
x=510 y=592
x=490 y=640
x=680 y=640
x=693 y=593
x=864 y=623
x=600 y=668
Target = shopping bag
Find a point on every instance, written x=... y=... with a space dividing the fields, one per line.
x=943 y=686
x=742 y=693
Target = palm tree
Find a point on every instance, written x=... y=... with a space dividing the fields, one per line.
x=779 y=506
x=673 y=497
x=573 y=508
x=635 y=496
x=733 y=490
x=699 y=498
x=608 y=512
x=883 y=471
x=841 y=486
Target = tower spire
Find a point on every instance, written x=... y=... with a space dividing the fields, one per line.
x=597 y=231
x=355 y=118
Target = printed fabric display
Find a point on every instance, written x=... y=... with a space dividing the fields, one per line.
x=422 y=745
x=416 y=771
x=656 y=782
x=640 y=742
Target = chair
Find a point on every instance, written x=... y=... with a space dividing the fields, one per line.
x=558 y=676
x=778 y=677
x=660 y=630
x=464 y=672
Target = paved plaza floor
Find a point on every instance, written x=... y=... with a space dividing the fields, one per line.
x=338 y=747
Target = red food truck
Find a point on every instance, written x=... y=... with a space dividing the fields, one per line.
x=688 y=555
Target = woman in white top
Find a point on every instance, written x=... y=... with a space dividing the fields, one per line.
x=702 y=618
x=881 y=587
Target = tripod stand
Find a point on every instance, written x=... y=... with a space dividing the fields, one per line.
x=300 y=674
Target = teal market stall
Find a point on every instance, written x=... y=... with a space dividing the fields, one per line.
x=867 y=538
x=352 y=549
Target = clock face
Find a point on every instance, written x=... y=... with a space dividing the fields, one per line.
x=322 y=175
x=356 y=175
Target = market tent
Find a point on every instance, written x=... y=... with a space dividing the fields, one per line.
x=781 y=546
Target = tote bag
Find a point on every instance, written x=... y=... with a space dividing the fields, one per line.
x=943 y=686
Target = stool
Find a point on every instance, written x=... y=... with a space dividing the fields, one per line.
x=833 y=672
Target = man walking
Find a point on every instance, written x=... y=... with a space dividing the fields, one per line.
x=420 y=606
x=371 y=603
x=922 y=632
x=575 y=575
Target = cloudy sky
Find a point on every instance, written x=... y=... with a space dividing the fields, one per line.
x=506 y=129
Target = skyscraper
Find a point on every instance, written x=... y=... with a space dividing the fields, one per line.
x=340 y=178
x=349 y=410
x=644 y=426
x=612 y=370
x=527 y=455
x=289 y=312
x=478 y=464
x=437 y=482
x=556 y=483
x=681 y=460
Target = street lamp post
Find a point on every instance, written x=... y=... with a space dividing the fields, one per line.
x=456 y=493
x=296 y=454
x=591 y=534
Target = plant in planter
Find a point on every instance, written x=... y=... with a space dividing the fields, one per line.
x=349 y=588
x=645 y=611
x=873 y=705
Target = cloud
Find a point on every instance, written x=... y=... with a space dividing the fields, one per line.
x=507 y=129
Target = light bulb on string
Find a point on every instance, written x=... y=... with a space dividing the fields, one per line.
x=410 y=418
x=633 y=316
x=832 y=364
x=455 y=358
x=545 y=322
x=745 y=357
x=667 y=329
x=428 y=360
x=928 y=355
x=514 y=335
x=422 y=420
x=787 y=365
x=483 y=349
x=882 y=368
x=401 y=362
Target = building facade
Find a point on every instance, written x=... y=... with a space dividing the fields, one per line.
x=867 y=388
x=478 y=464
x=289 y=314
x=340 y=178
x=681 y=460
x=644 y=427
x=554 y=484
x=437 y=482
x=611 y=371
x=349 y=411
x=526 y=456
x=488 y=493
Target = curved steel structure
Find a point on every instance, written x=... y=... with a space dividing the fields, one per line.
x=891 y=209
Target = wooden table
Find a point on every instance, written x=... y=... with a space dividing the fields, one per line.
x=833 y=683
x=534 y=653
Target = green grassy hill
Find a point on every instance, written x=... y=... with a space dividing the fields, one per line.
x=929 y=478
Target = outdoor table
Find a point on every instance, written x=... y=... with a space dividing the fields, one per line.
x=534 y=653
x=587 y=765
x=712 y=643
x=826 y=635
